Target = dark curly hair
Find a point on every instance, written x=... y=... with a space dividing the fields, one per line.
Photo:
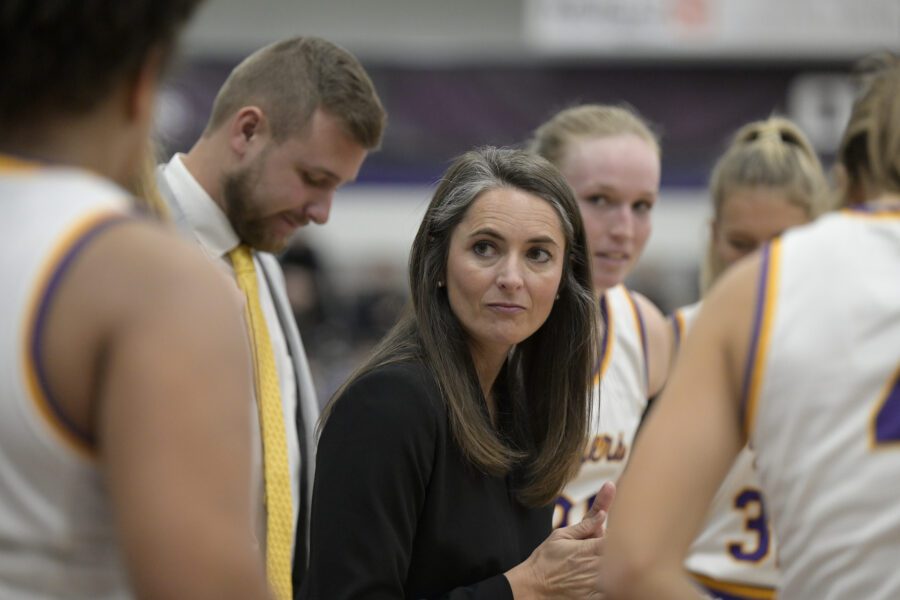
x=62 y=57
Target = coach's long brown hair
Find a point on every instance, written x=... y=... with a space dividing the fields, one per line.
x=548 y=376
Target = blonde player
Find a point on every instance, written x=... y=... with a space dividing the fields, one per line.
x=769 y=179
x=124 y=374
x=611 y=160
x=796 y=351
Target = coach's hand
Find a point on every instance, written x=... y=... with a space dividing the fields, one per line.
x=567 y=564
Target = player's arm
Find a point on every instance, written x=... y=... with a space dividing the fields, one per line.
x=685 y=450
x=659 y=343
x=173 y=423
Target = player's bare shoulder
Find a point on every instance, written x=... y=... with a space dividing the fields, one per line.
x=140 y=269
x=729 y=309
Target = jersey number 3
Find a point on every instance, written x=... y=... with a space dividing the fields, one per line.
x=748 y=500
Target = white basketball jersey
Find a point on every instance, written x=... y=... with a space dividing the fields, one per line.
x=619 y=397
x=56 y=532
x=734 y=557
x=822 y=405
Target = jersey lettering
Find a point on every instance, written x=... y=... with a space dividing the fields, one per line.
x=564 y=507
x=604 y=447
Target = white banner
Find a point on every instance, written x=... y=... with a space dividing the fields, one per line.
x=713 y=28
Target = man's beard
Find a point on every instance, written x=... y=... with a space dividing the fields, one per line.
x=241 y=208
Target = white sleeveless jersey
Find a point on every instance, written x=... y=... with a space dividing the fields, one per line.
x=735 y=555
x=619 y=397
x=822 y=405
x=56 y=532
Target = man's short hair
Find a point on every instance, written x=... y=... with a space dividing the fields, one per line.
x=290 y=79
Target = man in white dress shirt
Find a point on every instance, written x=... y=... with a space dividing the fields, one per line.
x=291 y=124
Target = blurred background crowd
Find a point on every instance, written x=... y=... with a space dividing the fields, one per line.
x=455 y=75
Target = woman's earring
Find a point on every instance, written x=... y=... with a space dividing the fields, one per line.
x=557 y=296
x=440 y=284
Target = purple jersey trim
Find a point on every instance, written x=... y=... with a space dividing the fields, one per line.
x=643 y=332
x=604 y=316
x=676 y=328
x=757 y=325
x=37 y=342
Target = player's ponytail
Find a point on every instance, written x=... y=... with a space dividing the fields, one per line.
x=870 y=149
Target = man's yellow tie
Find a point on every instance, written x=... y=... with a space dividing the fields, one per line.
x=279 y=507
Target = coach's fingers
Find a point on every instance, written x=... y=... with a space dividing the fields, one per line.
x=603 y=500
x=602 y=503
x=589 y=527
